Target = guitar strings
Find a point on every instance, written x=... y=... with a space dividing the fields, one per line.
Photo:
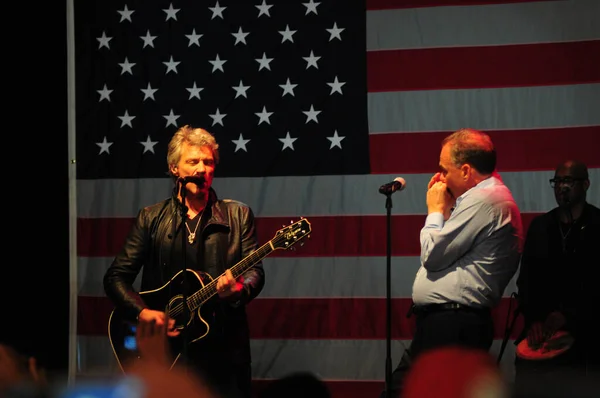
x=255 y=256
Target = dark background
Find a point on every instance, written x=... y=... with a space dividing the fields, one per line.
x=35 y=266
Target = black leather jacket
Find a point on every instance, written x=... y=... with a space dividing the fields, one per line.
x=154 y=247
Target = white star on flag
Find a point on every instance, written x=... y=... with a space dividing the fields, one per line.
x=171 y=12
x=148 y=39
x=288 y=142
x=103 y=40
x=104 y=146
x=311 y=114
x=264 y=116
x=287 y=34
x=241 y=90
x=194 y=38
x=149 y=92
x=171 y=119
x=104 y=93
x=264 y=62
x=194 y=91
x=311 y=60
x=126 y=119
x=264 y=9
x=240 y=36
x=336 y=140
x=217 y=11
x=288 y=88
x=240 y=143
x=336 y=86
x=126 y=67
x=217 y=117
x=311 y=7
x=217 y=64
x=171 y=65
x=126 y=14
x=148 y=145
x=335 y=32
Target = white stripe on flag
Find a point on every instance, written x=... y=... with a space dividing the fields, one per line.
x=498 y=24
x=330 y=277
x=308 y=196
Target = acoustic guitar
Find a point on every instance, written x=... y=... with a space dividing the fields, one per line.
x=170 y=299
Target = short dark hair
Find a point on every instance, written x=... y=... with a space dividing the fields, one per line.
x=577 y=168
x=474 y=147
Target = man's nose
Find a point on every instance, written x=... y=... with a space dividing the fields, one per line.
x=564 y=189
x=200 y=169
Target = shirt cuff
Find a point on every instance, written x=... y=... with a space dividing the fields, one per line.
x=434 y=221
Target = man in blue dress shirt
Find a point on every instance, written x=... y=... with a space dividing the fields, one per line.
x=470 y=249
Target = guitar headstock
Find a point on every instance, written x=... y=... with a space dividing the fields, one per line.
x=291 y=234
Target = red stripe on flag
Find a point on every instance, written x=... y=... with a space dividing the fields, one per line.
x=101 y=237
x=310 y=318
x=331 y=236
x=345 y=318
x=539 y=64
x=518 y=150
x=337 y=389
x=394 y=4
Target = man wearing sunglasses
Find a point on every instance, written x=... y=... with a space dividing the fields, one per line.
x=558 y=285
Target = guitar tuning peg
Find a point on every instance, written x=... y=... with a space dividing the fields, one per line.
x=291 y=221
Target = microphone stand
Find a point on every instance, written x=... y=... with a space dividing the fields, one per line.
x=388 y=359
x=184 y=290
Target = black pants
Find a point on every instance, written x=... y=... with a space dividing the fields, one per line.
x=455 y=327
x=227 y=377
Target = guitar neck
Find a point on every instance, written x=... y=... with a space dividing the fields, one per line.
x=204 y=294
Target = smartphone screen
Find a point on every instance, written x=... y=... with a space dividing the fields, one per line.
x=129 y=341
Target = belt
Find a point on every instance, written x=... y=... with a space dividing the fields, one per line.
x=430 y=308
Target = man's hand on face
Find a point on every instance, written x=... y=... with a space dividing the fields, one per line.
x=438 y=198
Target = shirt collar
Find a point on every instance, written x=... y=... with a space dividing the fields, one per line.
x=491 y=180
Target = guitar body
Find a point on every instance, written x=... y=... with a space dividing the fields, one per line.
x=168 y=298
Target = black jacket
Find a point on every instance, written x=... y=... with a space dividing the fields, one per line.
x=154 y=247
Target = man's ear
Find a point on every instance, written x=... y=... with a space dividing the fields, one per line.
x=173 y=170
x=466 y=171
x=586 y=185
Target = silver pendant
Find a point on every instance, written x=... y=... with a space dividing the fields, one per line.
x=191 y=237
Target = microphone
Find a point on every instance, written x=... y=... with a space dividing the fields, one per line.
x=397 y=185
x=193 y=179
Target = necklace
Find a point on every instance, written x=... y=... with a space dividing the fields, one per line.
x=564 y=235
x=192 y=235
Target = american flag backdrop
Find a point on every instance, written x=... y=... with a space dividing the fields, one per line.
x=315 y=105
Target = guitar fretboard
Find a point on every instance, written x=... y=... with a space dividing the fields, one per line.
x=202 y=296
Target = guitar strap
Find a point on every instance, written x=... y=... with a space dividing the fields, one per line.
x=158 y=238
x=165 y=267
